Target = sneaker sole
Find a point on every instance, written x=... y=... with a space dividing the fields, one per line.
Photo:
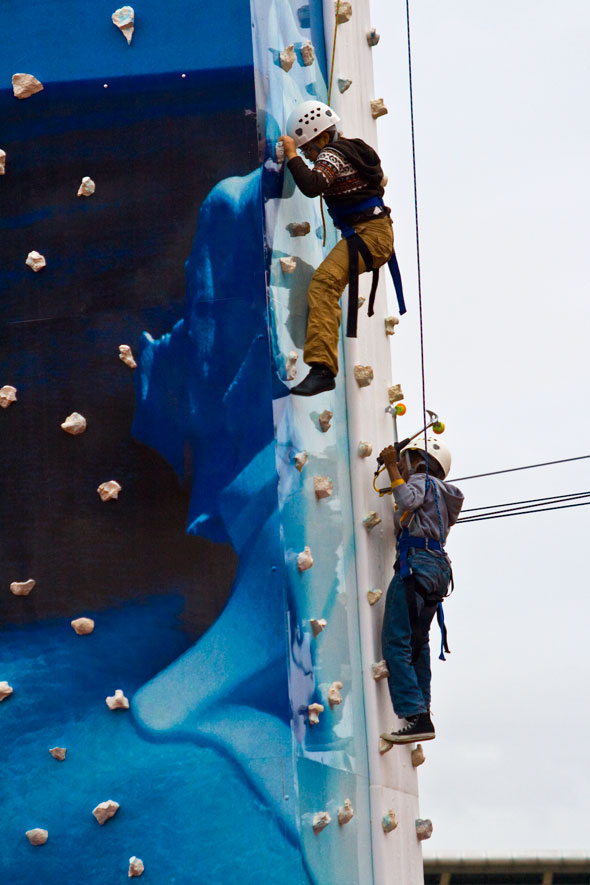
x=409 y=739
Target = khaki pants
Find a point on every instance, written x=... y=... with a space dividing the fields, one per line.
x=328 y=284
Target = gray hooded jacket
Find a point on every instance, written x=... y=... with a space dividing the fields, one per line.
x=422 y=518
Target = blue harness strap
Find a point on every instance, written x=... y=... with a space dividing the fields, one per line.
x=405 y=542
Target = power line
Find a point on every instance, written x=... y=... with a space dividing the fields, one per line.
x=569 y=497
x=513 y=469
x=523 y=512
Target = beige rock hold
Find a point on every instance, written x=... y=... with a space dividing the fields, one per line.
x=374 y=596
x=24 y=85
x=390 y=324
x=74 y=424
x=379 y=670
x=364 y=449
x=304 y=559
x=7 y=395
x=363 y=375
x=5 y=690
x=108 y=490
x=287 y=57
x=288 y=264
x=36 y=261
x=324 y=420
x=322 y=486
x=389 y=821
x=321 y=819
x=2 y=162
x=299 y=228
x=344 y=11
x=37 y=836
x=394 y=393
x=22 y=588
x=87 y=187
x=136 y=867
x=384 y=746
x=373 y=37
x=361 y=301
x=384 y=181
x=378 y=108
x=344 y=83
x=317 y=625
x=313 y=713
x=424 y=829
x=371 y=520
x=126 y=356
x=308 y=53
x=301 y=460
x=334 y=696
x=124 y=19
x=58 y=753
x=105 y=810
x=117 y=701
x=291 y=365
x=345 y=813
x=82 y=626
x=418 y=757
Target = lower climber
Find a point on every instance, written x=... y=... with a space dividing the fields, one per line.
x=425 y=509
x=348 y=173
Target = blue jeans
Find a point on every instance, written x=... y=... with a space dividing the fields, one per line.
x=409 y=681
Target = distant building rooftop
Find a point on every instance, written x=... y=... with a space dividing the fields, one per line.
x=549 y=870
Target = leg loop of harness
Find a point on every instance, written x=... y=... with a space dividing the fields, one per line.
x=356 y=245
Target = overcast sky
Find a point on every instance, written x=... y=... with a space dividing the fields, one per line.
x=501 y=93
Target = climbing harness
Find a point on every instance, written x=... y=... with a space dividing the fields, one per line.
x=356 y=246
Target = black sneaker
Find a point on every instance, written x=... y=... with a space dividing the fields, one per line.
x=320 y=379
x=419 y=728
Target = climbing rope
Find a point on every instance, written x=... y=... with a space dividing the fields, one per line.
x=329 y=97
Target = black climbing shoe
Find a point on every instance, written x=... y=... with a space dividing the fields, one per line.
x=320 y=378
x=419 y=728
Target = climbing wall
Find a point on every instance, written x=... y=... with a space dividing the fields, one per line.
x=191 y=558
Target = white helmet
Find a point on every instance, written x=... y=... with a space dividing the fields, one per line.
x=435 y=449
x=309 y=120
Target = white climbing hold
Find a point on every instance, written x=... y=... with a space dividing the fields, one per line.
x=108 y=490
x=7 y=395
x=317 y=625
x=363 y=375
x=394 y=393
x=105 y=810
x=390 y=324
x=344 y=11
x=384 y=181
x=345 y=813
x=290 y=365
x=22 y=588
x=299 y=228
x=126 y=355
x=364 y=449
x=321 y=819
x=334 y=696
x=389 y=821
x=313 y=713
x=82 y=626
x=373 y=37
x=117 y=701
x=36 y=261
x=344 y=83
x=423 y=829
x=2 y=162
x=380 y=671
x=136 y=867
x=384 y=746
x=371 y=520
x=58 y=753
x=361 y=301
x=74 y=424
x=307 y=53
x=324 y=420
x=322 y=486
x=124 y=19
x=288 y=264
x=87 y=187
x=37 y=836
x=374 y=596
x=287 y=57
x=5 y=690
x=378 y=108
x=24 y=85
x=301 y=460
x=304 y=559
x=418 y=757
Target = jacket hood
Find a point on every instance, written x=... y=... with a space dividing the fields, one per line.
x=453 y=498
x=362 y=157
